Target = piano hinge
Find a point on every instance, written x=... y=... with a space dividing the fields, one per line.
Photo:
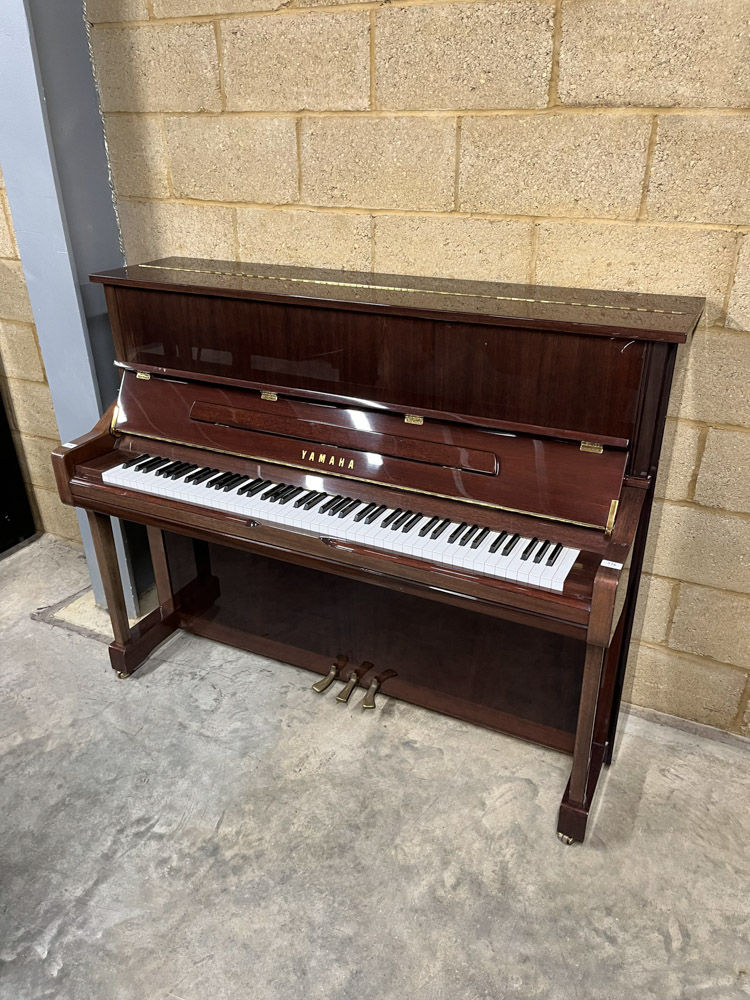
x=113 y=422
x=270 y=396
x=145 y=375
x=611 y=518
x=413 y=418
x=592 y=446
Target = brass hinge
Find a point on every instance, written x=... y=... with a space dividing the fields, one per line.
x=270 y=396
x=113 y=422
x=592 y=447
x=611 y=518
x=144 y=375
x=413 y=418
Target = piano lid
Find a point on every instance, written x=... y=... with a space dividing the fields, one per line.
x=596 y=312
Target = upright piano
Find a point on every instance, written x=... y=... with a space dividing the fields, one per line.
x=433 y=488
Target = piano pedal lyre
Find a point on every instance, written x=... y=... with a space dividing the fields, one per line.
x=355 y=676
x=325 y=682
x=375 y=685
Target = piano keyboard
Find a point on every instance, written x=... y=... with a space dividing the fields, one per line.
x=464 y=545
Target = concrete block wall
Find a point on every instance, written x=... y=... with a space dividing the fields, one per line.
x=578 y=142
x=24 y=389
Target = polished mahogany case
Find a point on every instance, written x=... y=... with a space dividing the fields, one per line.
x=529 y=409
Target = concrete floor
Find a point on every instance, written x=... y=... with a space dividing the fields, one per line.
x=211 y=829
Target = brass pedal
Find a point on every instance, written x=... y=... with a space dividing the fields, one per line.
x=355 y=677
x=325 y=682
x=375 y=685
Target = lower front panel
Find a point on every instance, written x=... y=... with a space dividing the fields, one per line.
x=496 y=673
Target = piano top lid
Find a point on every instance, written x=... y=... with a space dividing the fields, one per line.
x=601 y=313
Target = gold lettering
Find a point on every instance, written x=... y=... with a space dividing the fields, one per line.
x=304 y=452
x=321 y=457
x=332 y=460
x=351 y=464
x=341 y=462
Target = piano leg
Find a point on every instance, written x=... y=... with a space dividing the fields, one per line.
x=133 y=644
x=587 y=755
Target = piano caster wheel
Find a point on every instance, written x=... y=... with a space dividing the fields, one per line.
x=564 y=839
x=121 y=675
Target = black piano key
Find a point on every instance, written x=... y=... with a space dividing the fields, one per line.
x=511 y=544
x=555 y=553
x=235 y=484
x=540 y=552
x=498 y=541
x=250 y=489
x=218 y=481
x=375 y=514
x=339 y=505
x=194 y=475
x=152 y=464
x=412 y=522
x=529 y=548
x=329 y=503
x=282 y=493
x=392 y=517
x=207 y=474
x=456 y=534
x=364 y=512
x=468 y=535
x=305 y=497
x=315 y=500
x=168 y=468
x=187 y=468
x=428 y=527
x=134 y=461
x=441 y=528
x=350 y=508
x=401 y=520
x=480 y=538
x=273 y=491
x=295 y=492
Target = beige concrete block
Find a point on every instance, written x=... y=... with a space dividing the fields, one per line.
x=194 y=8
x=738 y=314
x=56 y=518
x=8 y=247
x=19 y=353
x=233 y=158
x=406 y=163
x=163 y=229
x=477 y=249
x=679 y=456
x=724 y=477
x=711 y=379
x=689 y=53
x=699 y=170
x=712 y=623
x=680 y=685
x=700 y=546
x=34 y=456
x=553 y=165
x=637 y=258
x=116 y=10
x=160 y=67
x=313 y=61
x=311 y=239
x=137 y=157
x=653 y=608
x=497 y=55
x=14 y=299
x=31 y=408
